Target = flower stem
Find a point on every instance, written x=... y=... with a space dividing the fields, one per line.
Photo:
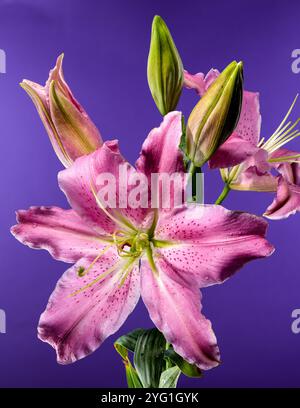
x=168 y=364
x=223 y=194
x=193 y=171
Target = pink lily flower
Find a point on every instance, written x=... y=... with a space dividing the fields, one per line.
x=247 y=161
x=119 y=254
x=71 y=131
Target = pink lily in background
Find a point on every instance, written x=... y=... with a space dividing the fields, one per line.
x=248 y=161
x=242 y=143
x=71 y=131
x=120 y=254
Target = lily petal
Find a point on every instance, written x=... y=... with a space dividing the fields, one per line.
x=290 y=172
x=243 y=142
x=40 y=98
x=174 y=307
x=56 y=74
x=160 y=151
x=249 y=125
x=252 y=179
x=200 y=82
x=61 y=232
x=77 y=133
x=234 y=151
x=161 y=156
x=75 y=111
x=78 y=180
x=77 y=324
x=254 y=174
x=286 y=202
x=210 y=242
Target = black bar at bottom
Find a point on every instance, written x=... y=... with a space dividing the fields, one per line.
x=101 y=397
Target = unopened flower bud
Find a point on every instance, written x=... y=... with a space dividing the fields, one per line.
x=216 y=115
x=71 y=131
x=165 y=70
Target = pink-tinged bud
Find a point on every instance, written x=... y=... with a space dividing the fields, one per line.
x=216 y=115
x=71 y=131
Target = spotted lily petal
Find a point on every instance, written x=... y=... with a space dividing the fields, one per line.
x=77 y=321
x=203 y=245
x=78 y=182
x=61 y=232
x=174 y=307
x=211 y=242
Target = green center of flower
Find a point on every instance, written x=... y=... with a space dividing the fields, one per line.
x=131 y=244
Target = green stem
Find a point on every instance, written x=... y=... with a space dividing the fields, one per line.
x=193 y=170
x=168 y=364
x=223 y=194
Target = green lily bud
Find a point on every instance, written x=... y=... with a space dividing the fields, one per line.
x=216 y=115
x=71 y=131
x=165 y=69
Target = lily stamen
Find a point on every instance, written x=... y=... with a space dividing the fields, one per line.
x=83 y=271
x=284 y=158
x=126 y=271
x=283 y=134
x=122 y=223
x=286 y=116
x=96 y=280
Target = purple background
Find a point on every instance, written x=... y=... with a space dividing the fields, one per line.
x=106 y=46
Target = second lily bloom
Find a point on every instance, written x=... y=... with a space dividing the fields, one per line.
x=251 y=163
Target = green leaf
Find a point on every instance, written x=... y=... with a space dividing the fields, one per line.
x=121 y=350
x=132 y=377
x=128 y=340
x=190 y=370
x=169 y=377
x=183 y=144
x=149 y=357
